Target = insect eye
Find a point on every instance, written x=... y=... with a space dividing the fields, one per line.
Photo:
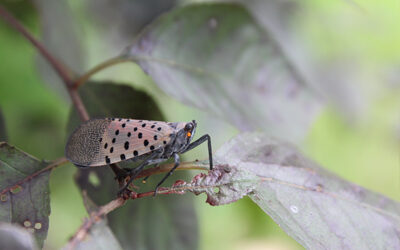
x=188 y=134
x=188 y=127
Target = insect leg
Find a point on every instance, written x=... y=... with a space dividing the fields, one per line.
x=134 y=172
x=199 y=141
x=119 y=173
x=177 y=162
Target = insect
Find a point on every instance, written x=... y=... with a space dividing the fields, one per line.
x=100 y=142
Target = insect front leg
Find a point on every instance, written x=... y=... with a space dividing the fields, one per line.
x=134 y=172
x=177 y=162
x=199 y=141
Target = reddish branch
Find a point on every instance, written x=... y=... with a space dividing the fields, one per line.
x=59 y=67
x=178 y=188
x=98 y=215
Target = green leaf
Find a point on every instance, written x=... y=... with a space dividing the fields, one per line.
x=15 y=237
x=315 y=207
x=24 y=187
x=217 y=58
x=154 y=223
x=3 y=134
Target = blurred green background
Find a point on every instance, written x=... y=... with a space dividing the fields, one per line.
x=362 y=145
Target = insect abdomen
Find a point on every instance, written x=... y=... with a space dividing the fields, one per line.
x=83 y=146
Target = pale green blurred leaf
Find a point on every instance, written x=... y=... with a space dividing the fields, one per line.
x=27 y=204
x=16 y=238
x=217 y=58
x=315 y=207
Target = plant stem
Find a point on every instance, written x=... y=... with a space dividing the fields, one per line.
x=98 y=215
x=108 y=63
x=64 y=73
x=57 y=65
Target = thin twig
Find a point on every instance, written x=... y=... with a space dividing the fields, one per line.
x=94 y=217
x=111 y=62
x=63 y=72
x=52 y=165
x=98 y=215
x=57 y=65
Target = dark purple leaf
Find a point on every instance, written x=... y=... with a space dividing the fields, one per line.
x=333 y=78
x=217 y=58
x=27 y=204
x=123 y=19
x=315 y=207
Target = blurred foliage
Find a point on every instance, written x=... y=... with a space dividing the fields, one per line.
x=362 y=147
x=3 y=131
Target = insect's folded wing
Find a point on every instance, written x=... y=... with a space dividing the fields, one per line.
x=100 y=142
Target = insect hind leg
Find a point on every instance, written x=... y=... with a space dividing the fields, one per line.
x=177 y=162
x=134 y=172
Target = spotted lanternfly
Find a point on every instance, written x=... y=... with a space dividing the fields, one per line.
x=100 y=142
